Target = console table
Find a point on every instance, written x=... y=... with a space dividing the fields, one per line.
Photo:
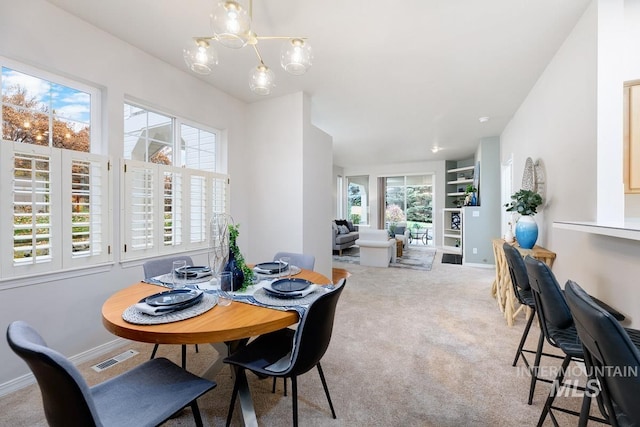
x=502 y=288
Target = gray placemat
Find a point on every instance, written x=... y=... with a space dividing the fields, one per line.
x=132 y=315
x=263 y=297
x=294 y=270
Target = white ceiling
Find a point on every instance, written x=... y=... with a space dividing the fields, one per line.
x=390 y=79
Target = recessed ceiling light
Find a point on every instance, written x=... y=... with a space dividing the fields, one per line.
x=483 y=119
x=435 y=149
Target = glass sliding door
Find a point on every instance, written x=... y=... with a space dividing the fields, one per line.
x=410 y=199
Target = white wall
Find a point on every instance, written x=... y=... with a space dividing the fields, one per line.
x=317 y=194
x=65 y=308
x=290 y=163
x=558 y=124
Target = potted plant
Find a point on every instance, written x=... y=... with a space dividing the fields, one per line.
x=525 y=202
x=242 y=275
x=470 y=195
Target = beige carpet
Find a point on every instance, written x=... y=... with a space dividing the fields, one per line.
x=409 y=348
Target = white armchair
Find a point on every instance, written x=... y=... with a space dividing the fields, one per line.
x=402 y=233
x=376 y=248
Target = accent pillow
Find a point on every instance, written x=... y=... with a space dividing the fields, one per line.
x=399 y=229
x=334 y=226
x=350 y=226
x=343 y=229
x=340 y=222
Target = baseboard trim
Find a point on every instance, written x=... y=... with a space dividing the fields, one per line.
x=473 y=264
x=26 y=380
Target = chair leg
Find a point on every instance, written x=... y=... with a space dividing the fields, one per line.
x=184 y=356
x=326 y=389
x=525 y=333
x=294 y=400
x=196 y=413
x=273 y=388
x=554 y=389
x=234 y=395
x=153 y=352
x=536 y=364
x=197 y=351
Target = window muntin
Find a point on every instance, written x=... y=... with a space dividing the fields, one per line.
x=148 y=136
x=42 y=112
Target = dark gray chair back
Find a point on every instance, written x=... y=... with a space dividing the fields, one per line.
x=314 y=331
x=550 y=303
x=517 y=271
x=65 y=394
x=304 y=261
x=157 y=267
x=609 y=354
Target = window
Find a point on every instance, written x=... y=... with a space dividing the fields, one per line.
x=150 y=136
x=410 y=199
x=59 y=190
x=358 y=199
x=41 y=112
x=170 y=183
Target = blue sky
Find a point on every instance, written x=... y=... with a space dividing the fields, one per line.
x=70 y=104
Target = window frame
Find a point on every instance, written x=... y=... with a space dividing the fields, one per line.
x=60 y=184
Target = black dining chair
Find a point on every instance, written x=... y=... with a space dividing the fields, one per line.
x=289 y=353
x=305 y=261
x=146 y=395
x=523 y=293
x=556 y=323
x=611 y=355
x=158 y=267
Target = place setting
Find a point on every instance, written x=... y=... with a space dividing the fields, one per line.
x=183 y=301
x=276 y=269
x=283 y=290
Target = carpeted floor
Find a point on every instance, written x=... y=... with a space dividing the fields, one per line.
x=413 y=257
x=408 y=348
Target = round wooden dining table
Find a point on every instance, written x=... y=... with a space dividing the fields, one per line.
x=220 y=324
x=224 y=327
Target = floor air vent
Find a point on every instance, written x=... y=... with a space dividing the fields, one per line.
x=114 y=360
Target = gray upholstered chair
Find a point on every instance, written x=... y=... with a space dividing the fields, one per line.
x=289 y=353
x=146 y=395
x=610 y=352
x=299 y=260
x=158 y=267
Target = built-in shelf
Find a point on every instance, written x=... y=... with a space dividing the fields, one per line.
x=625 y=230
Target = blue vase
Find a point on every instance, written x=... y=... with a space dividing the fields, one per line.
x=526 y=232
x=237 y=276
x=474 y=199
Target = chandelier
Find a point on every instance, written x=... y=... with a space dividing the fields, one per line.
x=231 y=25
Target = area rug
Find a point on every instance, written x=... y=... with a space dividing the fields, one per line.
x=413 y=257
x=451 y=259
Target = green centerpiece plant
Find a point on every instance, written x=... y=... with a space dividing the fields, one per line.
x=239 y=258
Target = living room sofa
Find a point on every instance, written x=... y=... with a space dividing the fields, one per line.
x=345 y=236
x=376 y=248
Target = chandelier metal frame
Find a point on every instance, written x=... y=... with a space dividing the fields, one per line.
x=231 y=25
